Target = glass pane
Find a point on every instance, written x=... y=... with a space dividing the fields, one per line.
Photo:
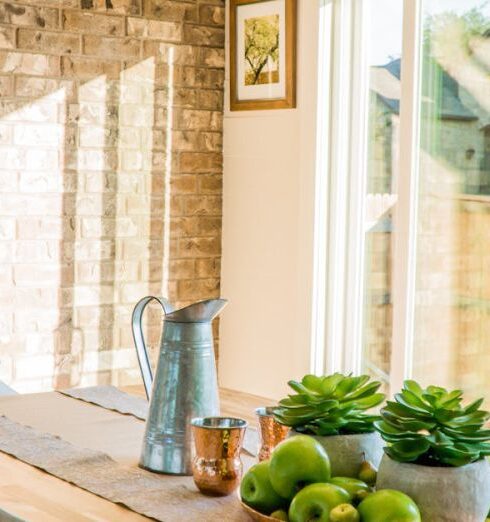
x=384 y=42
x=452 y=315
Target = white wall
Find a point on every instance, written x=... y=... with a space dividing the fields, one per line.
x=268 y=216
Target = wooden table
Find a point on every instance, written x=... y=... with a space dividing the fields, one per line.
x=35 y=496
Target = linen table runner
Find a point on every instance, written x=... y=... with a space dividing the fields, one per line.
x=162 y=497
x=111 y=398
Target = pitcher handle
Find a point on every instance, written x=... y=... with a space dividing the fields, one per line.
x=139 y=340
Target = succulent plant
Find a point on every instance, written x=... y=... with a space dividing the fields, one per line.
x=331 y=405
x=431 y=427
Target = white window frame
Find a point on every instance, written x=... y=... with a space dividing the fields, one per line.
x=343 y=89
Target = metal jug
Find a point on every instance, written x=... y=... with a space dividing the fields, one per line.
x=185 y=385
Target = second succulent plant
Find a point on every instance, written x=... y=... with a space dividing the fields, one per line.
x=431 y=427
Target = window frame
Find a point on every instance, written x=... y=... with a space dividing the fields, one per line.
x=342 y=124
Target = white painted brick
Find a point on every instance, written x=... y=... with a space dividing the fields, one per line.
x=39 y=182
x=6 y=368
x=93 y=295
x=36 y=320
x=38 y=135
x=8 y=182
x=7 y=228
x=133 y=292
x=34 y=366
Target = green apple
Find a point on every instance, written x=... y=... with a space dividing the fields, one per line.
x=388 y=505
x=257 y=492
x=280 y=514
x=297 y=462
x=351 y=485
x=344 y=513
x=316 y=501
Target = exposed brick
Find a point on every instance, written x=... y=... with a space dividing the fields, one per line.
x=212 y=57
x=86 y=68
x=198 y=247
x=32 y=64
x=212 y=15
x=184 y=184
x=208 y=267
x=202 y=77
x=171 y=10
x=132 y=7
x=164 y=52
x=6 y=86
x=7 y=37
x=212 y=100
x=124 y=48
x=141 y=27
x=25 y=15
x=211 y=141
x=183 y=268
x=185 y=140
x=80 y=21
x=198 y=289
x=200 y=162
x=202 y=205
x=212 y=183
x=84 y=154
x=203 y=35
x=38 y=87
x=51 y=43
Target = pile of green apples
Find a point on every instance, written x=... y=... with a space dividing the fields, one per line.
x=296 y=485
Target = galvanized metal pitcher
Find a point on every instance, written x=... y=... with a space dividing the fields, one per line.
x=185 y=384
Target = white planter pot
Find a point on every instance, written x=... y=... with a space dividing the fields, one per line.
x=442 y=494
x=347 y=452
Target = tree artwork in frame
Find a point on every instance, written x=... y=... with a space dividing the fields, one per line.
x=262 y=54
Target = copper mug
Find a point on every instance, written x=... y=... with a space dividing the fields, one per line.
x=271 y=431
x=217 y=468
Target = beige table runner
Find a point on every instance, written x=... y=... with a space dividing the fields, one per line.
x=113 y=399
x=7 y=517
x=110 y=398
x=164 y=498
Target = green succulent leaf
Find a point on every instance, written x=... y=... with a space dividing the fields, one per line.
x=411 y=449
x=312 y=382
x=413 y=387
x=474 y=406
x=331 y=405
x=430 y=426
x=406 y=400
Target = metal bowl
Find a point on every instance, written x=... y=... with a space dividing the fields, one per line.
x=255 y=515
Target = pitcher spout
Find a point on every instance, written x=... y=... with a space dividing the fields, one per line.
x=200 y=312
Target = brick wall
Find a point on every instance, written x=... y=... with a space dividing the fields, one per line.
x=110 y=178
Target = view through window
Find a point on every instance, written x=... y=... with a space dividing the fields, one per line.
x=452 y=289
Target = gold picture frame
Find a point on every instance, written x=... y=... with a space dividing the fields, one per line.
x=262 y=54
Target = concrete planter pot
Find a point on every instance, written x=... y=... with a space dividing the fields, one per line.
x=347 y=452
x=442 y=494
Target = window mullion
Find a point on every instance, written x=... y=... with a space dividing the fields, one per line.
x=354 y=306
x=319 y=316
x=338 y=185
x=406 y=186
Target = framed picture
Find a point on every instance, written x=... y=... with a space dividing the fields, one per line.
x=262 y=54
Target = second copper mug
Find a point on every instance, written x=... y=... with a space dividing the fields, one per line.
x=217 y=468
x=271 y=431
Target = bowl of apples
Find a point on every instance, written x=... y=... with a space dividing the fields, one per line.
x=296 y=485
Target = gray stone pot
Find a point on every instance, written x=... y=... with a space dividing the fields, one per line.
x=442 y=494
x=347 y=452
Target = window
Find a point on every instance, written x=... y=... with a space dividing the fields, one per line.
x=408 y=191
